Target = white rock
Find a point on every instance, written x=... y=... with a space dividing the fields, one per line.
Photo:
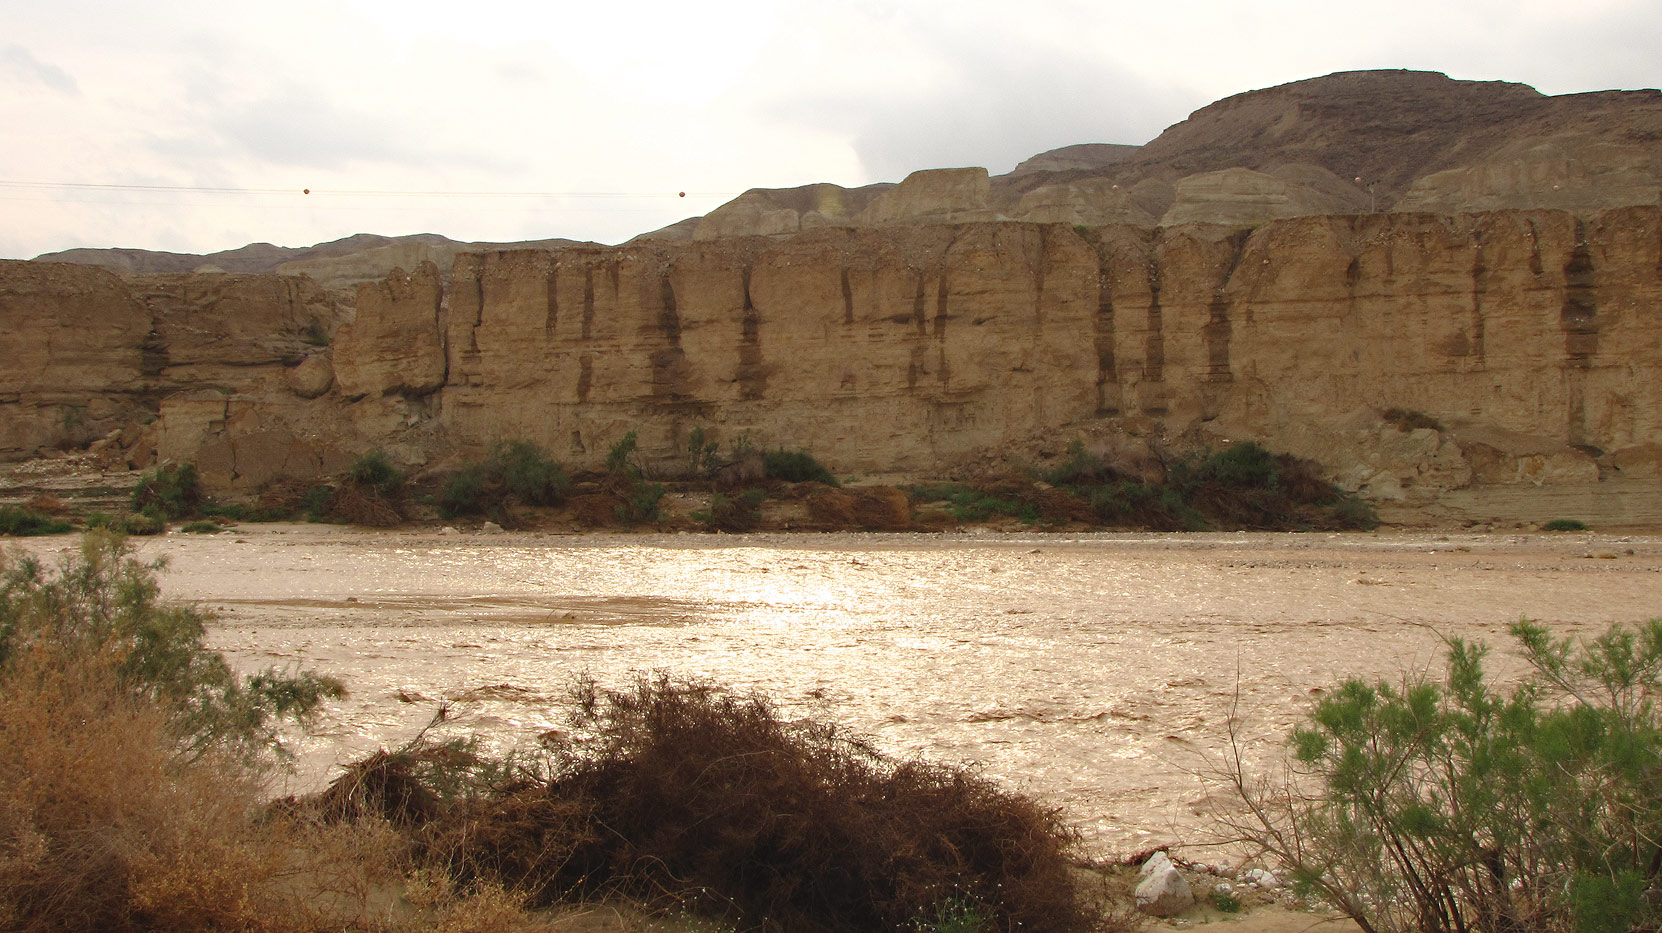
x=490 y=528
x=1262 y=878
x=1159 y=861
x=1163 y=891
x=449 y=530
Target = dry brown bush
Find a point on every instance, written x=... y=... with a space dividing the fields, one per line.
x=105 y=825
x=595 y=509
x=710 y=799
x=883 y=508
x=690 y=798
x=879 y=508
x=118 y=812
x=283 y=496
x=363 y=505
x=832 y=508
x=47 y=503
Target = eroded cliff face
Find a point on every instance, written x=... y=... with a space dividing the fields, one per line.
x=919 y=350
x=232 y=372
x=1527 y=346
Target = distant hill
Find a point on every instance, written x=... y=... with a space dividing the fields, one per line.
x=1351 y=142
x=1348 y=143
x=336 y=264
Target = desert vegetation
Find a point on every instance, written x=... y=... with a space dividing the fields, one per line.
x=518 y=485
x=1565 y=524
x=690 y=800
x=131 y=798
x=796 y=466
x=1441 y=804
x=514 y=475
x=22 y=522
x=1241 y=487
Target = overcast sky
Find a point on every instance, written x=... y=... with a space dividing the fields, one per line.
x=196 y=126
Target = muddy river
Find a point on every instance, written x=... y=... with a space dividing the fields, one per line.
x=1097 y=671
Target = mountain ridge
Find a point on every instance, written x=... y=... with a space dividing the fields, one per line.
x=1344 y=143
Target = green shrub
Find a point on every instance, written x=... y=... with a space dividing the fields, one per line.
x=702 y=458
x=619 y=458
x=1244 y=465
x=373 y=470
x=104 y=603
x=1353 y=513
x=985 y=507
x=151 y=521
x=1565 y=524
x=26 y=522
x=175 y=490
x=1130 y=502
x=973 y=505
x=513 y=473
x=642 y=504
x=1224 y=902
x=201 y=528
x=464 y=492
x=1445 y=805
x=234 y=511
x=937 y=492
x=954 y=915
x=315 y=504
x=796 y=466
x=527 y=473
x=1082 y=468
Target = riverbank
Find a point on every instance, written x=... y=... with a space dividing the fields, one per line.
x=1097 y=670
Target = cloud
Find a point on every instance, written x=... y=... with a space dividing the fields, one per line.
x=918 y=89
x=302 y=127
x=1001 y=110
x=21 y=64
x=646 y=100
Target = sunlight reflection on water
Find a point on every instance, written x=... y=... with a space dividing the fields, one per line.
x=1098 y=673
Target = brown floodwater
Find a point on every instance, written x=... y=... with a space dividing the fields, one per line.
x=1096 y=671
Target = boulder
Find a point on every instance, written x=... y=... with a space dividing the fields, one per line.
x=1162 y=891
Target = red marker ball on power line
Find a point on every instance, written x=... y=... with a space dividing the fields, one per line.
x=305 y=191
x=683 y=194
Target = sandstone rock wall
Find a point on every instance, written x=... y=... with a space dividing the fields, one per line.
x=1416 y=356
x=232 y=372
x=1532 y=338
x=76 y=352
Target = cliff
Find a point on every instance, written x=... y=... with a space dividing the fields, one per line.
x=1438 y=361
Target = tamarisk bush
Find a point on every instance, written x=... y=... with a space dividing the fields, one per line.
x=1447 y=805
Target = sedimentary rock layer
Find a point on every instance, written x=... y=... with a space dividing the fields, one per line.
x=1527 y=346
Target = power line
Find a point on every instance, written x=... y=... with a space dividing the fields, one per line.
x=335 y=207
x=353 y=192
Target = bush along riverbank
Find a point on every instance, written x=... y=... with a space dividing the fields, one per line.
x=131 y=799
x=1439 y=803
x=517 y=485
x=135 y=768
